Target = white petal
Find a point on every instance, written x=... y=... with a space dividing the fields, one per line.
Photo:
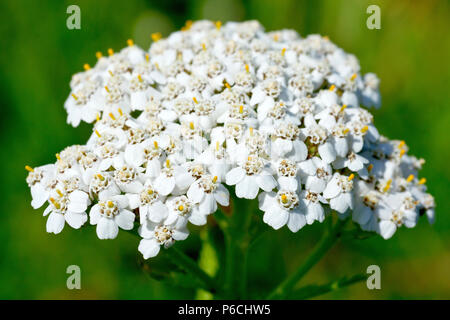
x=197 y=218
x=276 y=217
x=300 y=150
x=339 y=203
x=387 y=229
x=222 y=195
x=149 y=248
x=247 y=188
x=158 y=211
x=180 y=234
x=125 y=219
x=78 y=201
x=75 y=219
x=327 y=152
x=164 y=185
x=282 y=146
x=315 y=184
x=39 y=196
x=94 y=214
x=266 y=182
x=195 y=193
x=208 y=205
x=55 y=222
x=107 y=228
x=296 y=221
x=234 y=176
x=133 y=200
x=341 y=146
x=288 y=183
x=332 y=189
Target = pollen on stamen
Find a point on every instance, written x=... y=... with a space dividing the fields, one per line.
x=251 y=130
x=388 y=185
x=401 y=144
x=332 y=87
x=111 y=73
x=58 y=157
x=241 y=109
x=97 y=133
x=74 y=96
x=402 y=152
x=191 y=125
x=147 y=57
x=168 y=163
x=346 y=130
x=130 y=42
x=120 y=111
x=195 y=99
x=227 y=85
x=214 y=179
x=187 y=25
x=86 y=66
x=351 y=177
x=218 y=25
x=29 y=169
x=217 y=146
x=283 y=51
x=97 y=117
x=107 y=89
x=156 y=36
x=353 y=77
x=102 y=178
x=180 y=208
x=370 y=167
x=343 y=107
x=364 y=129
x=155 y=143
x=140 y=78
x=247 y=68
x=284 y=198
x=59 y=193
x=55 y=203
x=203 y=46
x=422 y=181
x=110 y=51
x=410 y=178
x=112 y=116
x=98 y=55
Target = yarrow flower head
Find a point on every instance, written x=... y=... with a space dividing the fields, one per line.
x=214 y=109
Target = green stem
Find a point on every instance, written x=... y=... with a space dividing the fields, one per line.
x=309 y=292
x=190 y=266
x=236 y=246
x=285 y=288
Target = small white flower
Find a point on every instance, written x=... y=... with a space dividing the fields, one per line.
x=156 y=235
x=206 y=192
x=339 y=192
x=111 y=214
x=249 y=177
x=282 y=208
x=70 y=208
x=398 y=209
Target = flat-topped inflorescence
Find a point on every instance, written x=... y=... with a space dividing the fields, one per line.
x=278 y=116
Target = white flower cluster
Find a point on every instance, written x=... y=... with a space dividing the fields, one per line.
x=273 y=114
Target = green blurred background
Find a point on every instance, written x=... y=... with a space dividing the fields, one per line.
x=39 y=55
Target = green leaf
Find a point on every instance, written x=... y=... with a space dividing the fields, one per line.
x=312 y=291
